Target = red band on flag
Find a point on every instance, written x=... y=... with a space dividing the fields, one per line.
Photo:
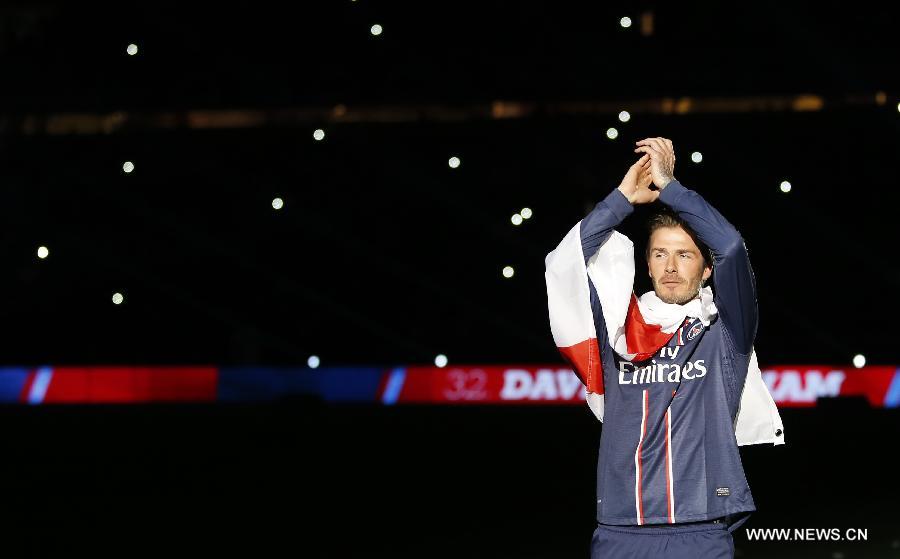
x=584 y=357
x=643 y=339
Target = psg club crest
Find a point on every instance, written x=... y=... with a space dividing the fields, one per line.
x=695 y=330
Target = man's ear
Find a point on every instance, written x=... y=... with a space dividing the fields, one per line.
x=707 y=271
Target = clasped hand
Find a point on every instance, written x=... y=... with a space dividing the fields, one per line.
x=656 y=166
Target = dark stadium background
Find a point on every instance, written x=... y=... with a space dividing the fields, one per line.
x=383 y=254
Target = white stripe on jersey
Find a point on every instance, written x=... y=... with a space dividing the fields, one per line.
x=637 y=459
x=670 y=486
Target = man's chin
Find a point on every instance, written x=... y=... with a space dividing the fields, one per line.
x=674 y=298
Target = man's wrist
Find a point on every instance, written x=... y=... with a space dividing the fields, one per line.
x=627 y=196
x=672 y=192
x=666 y=182
x=619 y=204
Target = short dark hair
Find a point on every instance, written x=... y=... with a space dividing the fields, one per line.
x=668 y=218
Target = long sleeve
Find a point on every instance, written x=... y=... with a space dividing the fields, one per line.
x=576 y=319
x=598 y=225
x=733 y=281
x=595 y=230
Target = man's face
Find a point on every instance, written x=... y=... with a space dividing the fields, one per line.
x=676 y=265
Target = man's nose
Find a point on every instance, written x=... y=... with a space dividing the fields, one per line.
x=670 y=265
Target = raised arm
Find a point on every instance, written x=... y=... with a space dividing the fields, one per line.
x=612 y=210
x=733 y=281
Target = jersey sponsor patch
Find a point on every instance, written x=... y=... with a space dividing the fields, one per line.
x=630 y=373
x=722 y=492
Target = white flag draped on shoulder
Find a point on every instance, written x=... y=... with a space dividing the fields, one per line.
x=636 y=327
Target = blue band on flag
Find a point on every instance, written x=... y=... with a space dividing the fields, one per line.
x=892 y=398
x=394 y=386
x=39 y=386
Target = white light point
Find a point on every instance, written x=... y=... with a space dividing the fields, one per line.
x=696 y=157
x=526 y=213
x=319 y=135
x=313 y=361
x=440 y=360
x=859 y=361
x=508 y=272
x=454 y=162
x=625 y=22
x=376 y=30
x=277 y=203
x=785 y=186
x=612 y=133
x=132 y=49
x=42 y=252
x=118 y=299
x=516 y=219
x=128 y=166
x=624 y=116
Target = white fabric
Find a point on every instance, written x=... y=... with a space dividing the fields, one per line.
x=611 y=270
x=568 y=297
x=569 y=300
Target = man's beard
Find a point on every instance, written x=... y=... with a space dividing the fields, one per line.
x=679 y=298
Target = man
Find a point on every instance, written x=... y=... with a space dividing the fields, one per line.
x=665 y=372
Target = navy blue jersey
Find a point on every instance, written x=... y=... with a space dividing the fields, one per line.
x=668 y=452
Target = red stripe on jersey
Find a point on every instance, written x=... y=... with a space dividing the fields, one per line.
x=668 y=493
x=670 y=496
x=646 y=401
